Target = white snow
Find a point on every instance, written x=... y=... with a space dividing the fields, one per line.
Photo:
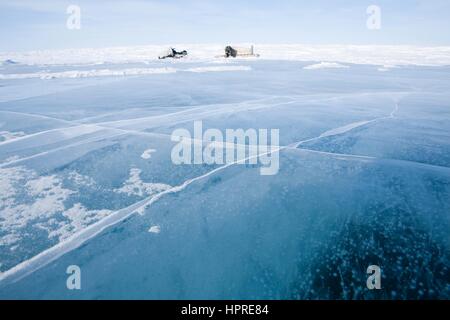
x=386 y=68
x=147 y=154
x=48 y=197
x=9 y=239
x=154 y=229
x=79 y=218
x=325 y=65
x=135 y=186
x=116 y=73
x=9 y=177
x=88 y=73
x=358 y=54
x=47 y=193
x=81 y=179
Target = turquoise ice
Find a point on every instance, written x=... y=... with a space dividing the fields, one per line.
x=87 y=179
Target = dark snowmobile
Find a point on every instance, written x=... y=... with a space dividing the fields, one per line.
x=230 y=52
x=172 y=53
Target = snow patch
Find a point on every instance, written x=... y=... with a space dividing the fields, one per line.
x=79 y=218
x=116 y=73
x=386 y=68
x=9 y=178
x=325 y=65
x=45 y=200
x=147 y=154
x=47 y=197
x=154 y=229
x=81 y=179
x=88 y=73
x=134 y=186
x=9 y=239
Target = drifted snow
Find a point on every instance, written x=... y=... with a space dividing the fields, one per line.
x=116 y=73
x=154 y=229
x=88 y=74
x=48 y=197
x=135 y=186
x=358 y=54
x=325 y=65
x=79 y=218
x=147 y=154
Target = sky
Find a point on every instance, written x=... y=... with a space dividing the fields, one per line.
x=33 y=25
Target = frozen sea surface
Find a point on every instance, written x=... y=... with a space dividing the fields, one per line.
x=86 y=179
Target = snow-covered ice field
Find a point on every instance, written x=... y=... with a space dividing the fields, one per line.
x=86 y=176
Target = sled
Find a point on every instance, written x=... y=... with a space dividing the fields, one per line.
x=235 y=52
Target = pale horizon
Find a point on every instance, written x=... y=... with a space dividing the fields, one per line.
x=27 y=25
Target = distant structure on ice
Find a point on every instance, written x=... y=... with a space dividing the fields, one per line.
x=240 y=52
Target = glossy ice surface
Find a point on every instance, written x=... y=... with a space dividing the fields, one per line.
x=86 y=179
